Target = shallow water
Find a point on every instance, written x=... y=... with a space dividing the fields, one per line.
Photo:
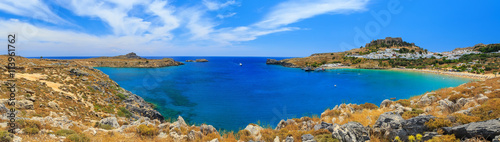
x=229 y=96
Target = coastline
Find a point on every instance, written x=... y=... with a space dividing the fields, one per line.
x=456 y=74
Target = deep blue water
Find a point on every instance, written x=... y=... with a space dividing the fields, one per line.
x=229 y=96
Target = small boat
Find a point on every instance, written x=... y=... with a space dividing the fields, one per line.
x=319 y=69
x=393 y=98
x=308 y=69
x=241 y=64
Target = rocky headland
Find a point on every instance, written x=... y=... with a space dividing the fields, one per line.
x=197 y=60
x=128 y=60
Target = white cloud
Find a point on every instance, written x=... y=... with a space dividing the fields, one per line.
x=155 y=29
x=31 y=8
x=214 y=5
x=295 y=10
x=221 y=16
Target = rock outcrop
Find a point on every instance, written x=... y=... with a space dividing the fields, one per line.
x=351 y=132
x=282 y=63
x=416 y=125
x=487 y=129
x=389 y=125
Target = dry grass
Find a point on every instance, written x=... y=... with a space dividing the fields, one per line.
x=438 y=123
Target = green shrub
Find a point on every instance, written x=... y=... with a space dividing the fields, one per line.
x=325 y=138
x=31 y=130
x=437 y=123
x=78 y=138
x=404 y=102
x=123 y=112
x=455 y=97
x=369 y=106
x=411 y=114
x=5 y=136
x=104 y=126
x=65 y=132
x=121 y=96
x=146 y=130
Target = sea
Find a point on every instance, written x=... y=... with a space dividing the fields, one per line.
x=229 y=96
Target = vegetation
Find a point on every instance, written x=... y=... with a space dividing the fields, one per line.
x=436 y=123
x=123 y=112
x=444 y=138
x=411 y=114
x=65 y=132
x=78 y=138
x=147 y=130
x=5 y=136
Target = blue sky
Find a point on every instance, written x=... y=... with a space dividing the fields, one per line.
x=288 y=28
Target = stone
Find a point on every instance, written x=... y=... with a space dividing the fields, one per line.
x=416 y=125
x=110 y=121
x=385 y=103
x=207 y=129
x=254 y=130
x=488 y=129
x=177 y=137
x=322 y=125
x=351 y=132
x=215 y=140
x=277 y=139
x=194 y=135
x=78 y=72
x=283 y=123
x=427 y=99
x=179 y=123
x=389 y=125
x=429 y=135
x=24 y=104
x=289 y=139
x=446 y=105
x=496 y=139
x=481 y=98
x=308 y=138
x=53 y=105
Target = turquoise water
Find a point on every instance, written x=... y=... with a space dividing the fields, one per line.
x=229 y=96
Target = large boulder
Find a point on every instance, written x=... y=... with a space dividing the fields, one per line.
x=254 y=130
x=179 y=123
x=427 y=99
x=496 y=139
x=416 y=125
x=322 y=125
x=207 y=129
x=351 y=132
x=389 y=125
x=283 y=123
x=487 y=129
x=446 y=105
x=308 y=138
x=385 y=103
x=289 y=139
x=112 y=121
x=194 y=135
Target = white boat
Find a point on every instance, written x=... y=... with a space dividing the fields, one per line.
x=241 y=64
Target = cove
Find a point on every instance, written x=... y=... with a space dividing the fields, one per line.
x=229 y=96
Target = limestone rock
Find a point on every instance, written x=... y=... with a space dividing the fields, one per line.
x=110 y=121
x=389 y=125
x=207 y=129
x=179 y=123
x=194 y=135
x=308 y=138
x=488 y=129
x=429 y=135
x=496 y=139
x=277 y=139
x=322 y=125
x=446 y=105
x=351 y=132
x=289 y=139
x=254 y=130
x=427 y=99
x=283 y=123
x=385 y=103
x=53 y=105
x=416 y=125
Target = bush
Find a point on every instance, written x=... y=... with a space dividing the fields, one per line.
x=121 y=96
x=31 y=130
x=146 y=130
x=404 y=102
x=444 y=138
x=244 y=135
x=104 y=126
x=455 y=97
x=78 y=138
x=332 y=113
x=5 y=136
x=65 y=132
x=325 y=138
x=488 y=110
x=369 y=106
x=411 y=114
x=437 y=123
x=123 y=112
x=464 y=119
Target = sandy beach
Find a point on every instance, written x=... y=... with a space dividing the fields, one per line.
x=457 y=74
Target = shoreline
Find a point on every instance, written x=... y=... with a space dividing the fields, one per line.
x=455 y=74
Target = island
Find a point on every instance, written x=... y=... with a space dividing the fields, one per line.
x=128 y=60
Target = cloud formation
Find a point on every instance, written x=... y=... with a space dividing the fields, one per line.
x=156 y=25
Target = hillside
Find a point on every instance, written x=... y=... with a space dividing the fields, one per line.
x=60 y=100
x=395 y=53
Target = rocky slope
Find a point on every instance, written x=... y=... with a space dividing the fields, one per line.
x=128 y=60
x=62 y=100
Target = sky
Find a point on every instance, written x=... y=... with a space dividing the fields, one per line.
x=275 y=28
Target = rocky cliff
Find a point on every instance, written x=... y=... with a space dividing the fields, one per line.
x=128 y=60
